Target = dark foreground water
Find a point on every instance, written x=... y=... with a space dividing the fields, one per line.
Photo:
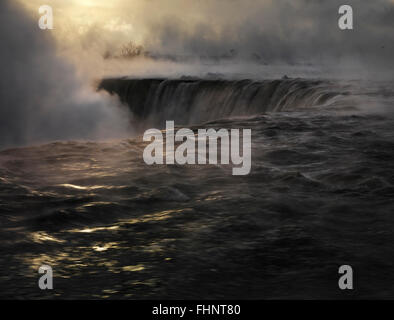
x=320 y=194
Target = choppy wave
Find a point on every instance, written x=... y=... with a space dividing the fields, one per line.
x=319 y=195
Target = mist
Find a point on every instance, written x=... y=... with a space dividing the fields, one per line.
x=46 y=87
x=41 y=96
x=277 y=31
x=236 y=34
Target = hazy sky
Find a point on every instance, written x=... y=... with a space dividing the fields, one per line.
x=280 y=30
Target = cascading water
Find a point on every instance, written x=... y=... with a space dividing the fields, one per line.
x=197 y=101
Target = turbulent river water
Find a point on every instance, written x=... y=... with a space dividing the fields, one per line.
x=319 y=195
